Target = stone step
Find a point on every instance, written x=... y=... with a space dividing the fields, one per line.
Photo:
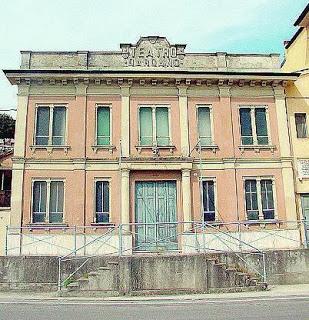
x=89 y=293
x=235 y=289
x=104 y=269
x=93 y=274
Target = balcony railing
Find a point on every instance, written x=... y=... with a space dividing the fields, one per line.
x=5 y=198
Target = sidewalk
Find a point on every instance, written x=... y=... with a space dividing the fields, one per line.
x=284 y=291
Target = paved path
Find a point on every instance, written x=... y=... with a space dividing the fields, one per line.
x=283 y=302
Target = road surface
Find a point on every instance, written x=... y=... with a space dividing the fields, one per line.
x=283 y=308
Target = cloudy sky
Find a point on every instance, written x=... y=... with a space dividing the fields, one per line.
x=204 y=25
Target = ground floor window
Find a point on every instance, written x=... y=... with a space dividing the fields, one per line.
x=102 y=214
x=259 y=196
x=48 y=199
x=208 y=193
x=5 y=188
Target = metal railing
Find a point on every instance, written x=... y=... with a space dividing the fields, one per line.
x=169 y=240
x=242 y=238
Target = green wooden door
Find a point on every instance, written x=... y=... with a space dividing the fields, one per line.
x=305 y=210
x=155 y=215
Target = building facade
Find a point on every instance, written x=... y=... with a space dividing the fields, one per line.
x=148 y=143
x=297 y=96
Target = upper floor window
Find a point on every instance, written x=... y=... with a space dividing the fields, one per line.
x=301 y=125
x=154 y=128
x=102 y=213
x=103 y=137
x=50 y=125
x=204 y=125
x=259 y=199
x=208 y=187
x=254 y=127
x=47 y=201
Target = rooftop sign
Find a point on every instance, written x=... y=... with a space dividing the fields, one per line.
x=153 y=52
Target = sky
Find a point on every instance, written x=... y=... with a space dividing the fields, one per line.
x=249 y=26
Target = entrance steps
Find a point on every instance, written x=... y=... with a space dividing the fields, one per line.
x=163 y=275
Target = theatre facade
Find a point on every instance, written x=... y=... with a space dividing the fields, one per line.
x=151 y=148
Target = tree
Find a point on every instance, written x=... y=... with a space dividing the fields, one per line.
x=7 y=126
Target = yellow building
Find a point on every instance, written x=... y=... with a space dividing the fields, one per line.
x=297 y=95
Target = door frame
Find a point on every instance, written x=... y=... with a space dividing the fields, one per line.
x=151 y=175
x=151 y=179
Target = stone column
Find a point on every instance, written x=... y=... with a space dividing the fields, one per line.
x=19 y=155
x=125 y=121
x=186 y=198
x=285 y=153
x=125 y=197
x=183 y=116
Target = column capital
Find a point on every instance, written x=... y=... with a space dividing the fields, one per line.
x=125 y=173
x=182 y=91
x=23 y=90
x=279 y=92
x=224 y=91
x=125 y=90
x=186 y=172
x=81 y=89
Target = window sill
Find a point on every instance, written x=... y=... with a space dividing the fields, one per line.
x=212 y=147
x=98 y=225
x=171 y=148
x=262 y=222
x=46 y=226
x=5 y=208
x=110 y=148
x=257 y=148
x=50 y=148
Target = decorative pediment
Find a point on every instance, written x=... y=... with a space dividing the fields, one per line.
x=153 y=51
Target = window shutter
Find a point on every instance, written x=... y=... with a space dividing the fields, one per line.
x=301 y=126
x=42 y=126
x=102 y=202
x=162 y=126
x=56 y=201
x=145 y=118
x=246 y=127
x=59 y=120
x=204 y=126
x=261 y=126
x=103 y=126
x=267 y=199
x=39 y=201
x=251 y=200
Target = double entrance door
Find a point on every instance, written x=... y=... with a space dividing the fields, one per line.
x=155 y=215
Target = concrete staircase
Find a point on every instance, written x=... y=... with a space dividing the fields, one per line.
x=125 y=276
x=229 y=278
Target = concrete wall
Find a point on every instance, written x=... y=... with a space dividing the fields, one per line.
x=283 y=267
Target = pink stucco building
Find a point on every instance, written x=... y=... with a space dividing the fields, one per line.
x=151 y=138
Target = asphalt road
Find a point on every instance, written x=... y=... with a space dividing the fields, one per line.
x=266 y=308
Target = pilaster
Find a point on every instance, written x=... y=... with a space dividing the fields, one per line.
x=125 y=196
x=186 y=197
x=125 y=121
x=183 y=115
